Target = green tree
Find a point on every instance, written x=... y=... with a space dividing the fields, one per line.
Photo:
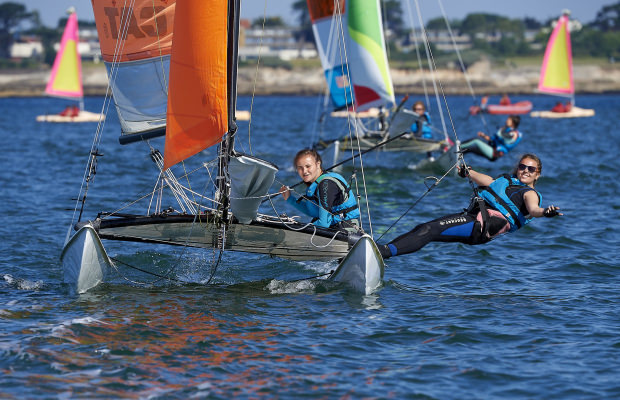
x=304 y=33
x=608 y=18
x=270 y=22
x=439 y=24
x=48 y=36
x=392 y=17
x=11 y=15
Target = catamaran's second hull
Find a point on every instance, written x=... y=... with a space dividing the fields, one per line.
x=292 y=241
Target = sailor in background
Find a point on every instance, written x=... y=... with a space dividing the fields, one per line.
x=505 y=139
x=328 y=199
x=503 y=205
x=422 y=126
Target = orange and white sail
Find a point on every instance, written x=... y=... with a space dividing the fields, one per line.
x=556 y=75
x=66 y=77
x=197 y=101
x=136 y=39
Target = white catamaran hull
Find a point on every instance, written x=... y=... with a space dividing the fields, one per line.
x=84 y=260
x=86 y=263
x=362 y=268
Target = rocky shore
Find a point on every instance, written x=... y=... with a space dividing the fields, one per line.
x=269 y=81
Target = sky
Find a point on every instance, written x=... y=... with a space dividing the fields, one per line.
x=585 y=11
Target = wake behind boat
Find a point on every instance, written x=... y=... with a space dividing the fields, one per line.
x=195 y=111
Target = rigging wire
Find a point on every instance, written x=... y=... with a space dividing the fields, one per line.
x=90 y=168
x=437 y=85
x=351 y=115
x=415 y=203
x=260 y=52
x=462 y=64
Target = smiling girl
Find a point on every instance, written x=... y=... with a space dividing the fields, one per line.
x=328 y=199
x=504 y=205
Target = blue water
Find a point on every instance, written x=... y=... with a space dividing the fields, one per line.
x=533 y=315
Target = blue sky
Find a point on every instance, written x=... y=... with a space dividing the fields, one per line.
x=52 y=10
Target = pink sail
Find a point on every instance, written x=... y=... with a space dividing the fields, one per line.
x=66 y=77
x=556 y=75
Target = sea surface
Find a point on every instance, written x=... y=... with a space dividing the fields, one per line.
x=532 y=315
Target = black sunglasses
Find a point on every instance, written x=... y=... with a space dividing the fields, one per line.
x=530 y=168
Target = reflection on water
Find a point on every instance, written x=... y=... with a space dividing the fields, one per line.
x=167 y=345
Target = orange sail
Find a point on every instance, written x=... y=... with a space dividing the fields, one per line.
x=197 y=115
x=66 y=77
x=135 y=30
x=136 y=38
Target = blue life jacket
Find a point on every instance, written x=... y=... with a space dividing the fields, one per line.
x=503 y=142
x=505 y=194
x=348 y=209
x=427 y=131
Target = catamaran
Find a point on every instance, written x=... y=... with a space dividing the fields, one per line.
x=351 y=45
x=66 y=78
x=556 y=74
x=185 y=90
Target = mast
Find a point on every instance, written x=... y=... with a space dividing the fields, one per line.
x=227 y=145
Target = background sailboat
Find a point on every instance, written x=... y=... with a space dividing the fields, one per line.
x=351 y=45
x=556 y=74
x=196 y=115
x=66 y=78
x=352 y=30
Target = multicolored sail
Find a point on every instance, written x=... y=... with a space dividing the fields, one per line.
x=352 y=30
x=135 y=45
x=66 y=77
x=197 y=103
x=556 y=75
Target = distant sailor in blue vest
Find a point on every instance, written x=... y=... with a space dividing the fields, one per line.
x=422 y=126
x=504 y=205
x=505 y=139
x=328 y=199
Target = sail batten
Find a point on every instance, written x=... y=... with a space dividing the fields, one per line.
x=66 y=76
x=556 y=76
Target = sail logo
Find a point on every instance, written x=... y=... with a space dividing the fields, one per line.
x=342 y=81
x=139 y=23
x=146 y=29
x=457 y=220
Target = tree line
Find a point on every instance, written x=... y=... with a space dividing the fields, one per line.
x=597 y=38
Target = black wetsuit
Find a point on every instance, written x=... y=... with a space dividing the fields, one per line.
x=462 y=227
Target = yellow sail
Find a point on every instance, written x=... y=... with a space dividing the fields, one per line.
x=556 y=75
x=66 y=77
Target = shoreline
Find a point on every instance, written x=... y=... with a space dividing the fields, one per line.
x=589 y=79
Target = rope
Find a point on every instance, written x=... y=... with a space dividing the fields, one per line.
x=260 y=52
x=462 y=64
x=302 y=228
x=89 y=170
x=330 y=273
x=429 y=188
